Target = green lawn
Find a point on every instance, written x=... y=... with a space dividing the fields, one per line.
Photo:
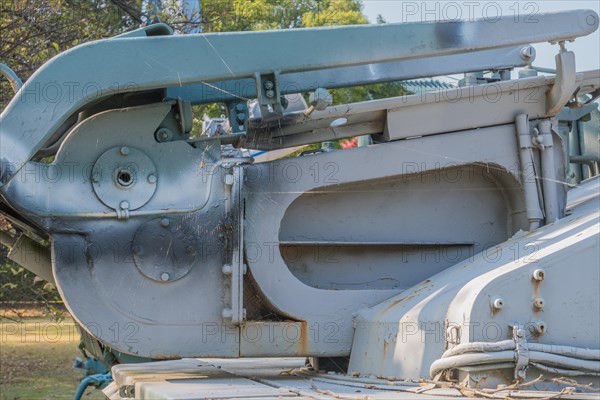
x=36 y=355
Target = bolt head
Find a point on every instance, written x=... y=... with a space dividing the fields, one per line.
x=164 y=277
x=269 y=85
x=498 y=303
x=239 y=107
x=527 y=53
x=270 y=93
x=539 y=303
x=124 y=205
x=164 y=222
x=124 y=150
x=539 y=274
x=95 y=176
x=152 y=178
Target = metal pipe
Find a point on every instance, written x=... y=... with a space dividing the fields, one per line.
x=546 y=357
x=532 y=201
x=562 y=371
x=549 y=178
x=13 y=78
x=475 y=347
x=470 y=359
x=569 y=351
x=564 y=361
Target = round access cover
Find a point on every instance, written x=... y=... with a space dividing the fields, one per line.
x=166 y=249
x=124 y=178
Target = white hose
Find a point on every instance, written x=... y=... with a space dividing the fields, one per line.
x=573 y=361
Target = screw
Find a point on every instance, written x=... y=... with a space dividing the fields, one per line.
x=498 y=304
x=527 y=53
x=152 y=178
x=539 y=274
x=164 y=277
x=124 y=205
x=269 y=85
x=538 y=303
x=124 y=151
x=164 y=222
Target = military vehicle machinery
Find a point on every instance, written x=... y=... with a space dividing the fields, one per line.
x=458 y=254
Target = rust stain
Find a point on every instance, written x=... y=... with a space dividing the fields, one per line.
x=385 y=349
x=303 y=344
x=420 y=287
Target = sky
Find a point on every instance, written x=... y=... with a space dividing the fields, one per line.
x=587 y=49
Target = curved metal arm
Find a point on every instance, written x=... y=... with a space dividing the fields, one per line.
x=99 y=69
x=13 y=79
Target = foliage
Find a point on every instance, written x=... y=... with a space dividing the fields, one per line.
x=33 y=31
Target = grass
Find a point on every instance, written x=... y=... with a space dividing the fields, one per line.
x=36 y=355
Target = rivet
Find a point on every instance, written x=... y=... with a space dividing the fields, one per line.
x=164 y=277
x=229 y=179
x=124 y=205
x=226 y=269
x=164 y=222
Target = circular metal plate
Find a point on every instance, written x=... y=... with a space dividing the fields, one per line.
x=124 y=178
x=166 y=249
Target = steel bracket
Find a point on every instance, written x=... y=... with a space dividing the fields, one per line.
x=521 y=352
x=235 y=313
x=269 y=92
x=565 y=82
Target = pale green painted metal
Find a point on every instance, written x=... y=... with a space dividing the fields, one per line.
x=87 y=72
x=13 y=78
